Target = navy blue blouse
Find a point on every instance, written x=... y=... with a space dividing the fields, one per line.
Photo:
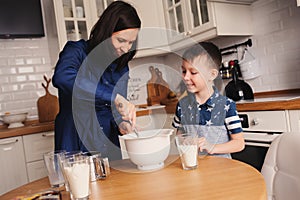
x=87 y=119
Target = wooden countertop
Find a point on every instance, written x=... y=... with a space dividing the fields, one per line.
x=293 y=104
x=215 y=178
x=34 y=126
x=30 y=127
x=274 y=100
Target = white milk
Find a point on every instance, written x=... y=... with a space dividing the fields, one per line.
x=78 y=178
x=189 y=154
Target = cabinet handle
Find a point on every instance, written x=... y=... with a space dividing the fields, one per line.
x=9 y=141
x=255 y=122
x=187 y=33
x=48 y=134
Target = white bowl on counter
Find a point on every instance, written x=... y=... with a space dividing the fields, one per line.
x=14 y=120
x=150 y=149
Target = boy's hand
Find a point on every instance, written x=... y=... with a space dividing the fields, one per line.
x=205 y=145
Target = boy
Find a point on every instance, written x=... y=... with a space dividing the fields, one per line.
x=204 y=111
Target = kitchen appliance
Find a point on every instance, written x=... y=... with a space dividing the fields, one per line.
x=237 y=89
x=260 y=129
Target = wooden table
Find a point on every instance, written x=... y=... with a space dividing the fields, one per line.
x=215 y=178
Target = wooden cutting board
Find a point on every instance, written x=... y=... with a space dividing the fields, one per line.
x=47 y=105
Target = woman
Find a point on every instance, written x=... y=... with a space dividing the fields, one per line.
x=92 y=77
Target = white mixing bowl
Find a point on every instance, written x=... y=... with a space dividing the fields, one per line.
x=14 y=120
x=150 y=149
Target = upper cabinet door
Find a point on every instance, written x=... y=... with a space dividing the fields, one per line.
x=175 y=19
x=187 y=17
x=199 y=16
x=201 y=20
x=74 y=19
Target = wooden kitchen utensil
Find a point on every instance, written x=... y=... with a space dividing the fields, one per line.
x=152 y=88
x=163 y=86
x=48 y=106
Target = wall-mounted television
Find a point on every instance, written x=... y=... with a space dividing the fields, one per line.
x=21 y=19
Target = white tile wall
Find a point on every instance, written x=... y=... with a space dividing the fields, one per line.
x=276 y=44
x=23 y=62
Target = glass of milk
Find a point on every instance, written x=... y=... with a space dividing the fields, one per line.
x=68 y=155
x=187 y=146
x=77 y=173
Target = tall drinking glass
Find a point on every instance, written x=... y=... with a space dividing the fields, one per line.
x=187 y=146
x=77 y=173
x=52 y=163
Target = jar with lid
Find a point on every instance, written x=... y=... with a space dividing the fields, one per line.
x=73 y=36
x=225 y=71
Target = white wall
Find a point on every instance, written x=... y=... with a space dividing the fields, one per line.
x=276 y=44
x=23 y=63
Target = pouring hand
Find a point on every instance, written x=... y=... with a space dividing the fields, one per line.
x=126 y=109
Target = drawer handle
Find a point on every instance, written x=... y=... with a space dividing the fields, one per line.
x=9 y=142
x=255 y=122
x=48 y=134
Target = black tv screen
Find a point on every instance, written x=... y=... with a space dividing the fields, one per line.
x=21 y=19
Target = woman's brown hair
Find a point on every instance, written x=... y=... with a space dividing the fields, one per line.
x=117 y=16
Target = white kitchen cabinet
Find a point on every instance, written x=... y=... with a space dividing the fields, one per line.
x=206 y=19
x=294 y=116
x=71 y=25
x=267 y=121
x=152 y=38
x=36 y=170
x=12 y=167
x=35 y=145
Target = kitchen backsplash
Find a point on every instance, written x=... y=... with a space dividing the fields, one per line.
x=276 y=44
x=23 y=62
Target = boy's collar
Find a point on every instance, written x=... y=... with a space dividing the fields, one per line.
x=210 y=101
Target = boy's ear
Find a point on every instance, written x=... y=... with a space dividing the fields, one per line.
x=213 y=74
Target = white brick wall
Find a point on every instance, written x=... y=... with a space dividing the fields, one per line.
x=276 y=44
x=23 y=62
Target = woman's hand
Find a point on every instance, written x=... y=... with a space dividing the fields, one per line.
x=125 y=128
x=126 y=109
x=205 y=145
